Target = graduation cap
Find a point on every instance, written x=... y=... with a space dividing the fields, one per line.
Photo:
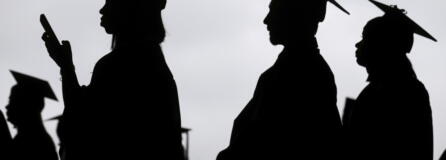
x=34 y=85
x=339 y=6
x=401 y=14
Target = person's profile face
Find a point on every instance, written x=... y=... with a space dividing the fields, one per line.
x=361 y=53
x=287 y=20
x=10 y=112
x=13 y=108
x=119 y=16
x=276 y=24
x=108 y=18
x=381 y=40
x=22 y=106
x=368 y=49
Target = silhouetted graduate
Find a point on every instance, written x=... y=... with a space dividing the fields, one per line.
x=26 y=103
x=5 y=138
x=130 y=110
x=293 y=113
x=391 y=119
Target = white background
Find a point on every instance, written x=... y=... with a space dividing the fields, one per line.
x=216 y=50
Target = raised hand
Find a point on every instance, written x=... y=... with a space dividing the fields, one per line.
x=61 y=54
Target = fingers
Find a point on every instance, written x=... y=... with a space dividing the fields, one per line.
x=45 y=36
x=67 y=47
x=48 y=39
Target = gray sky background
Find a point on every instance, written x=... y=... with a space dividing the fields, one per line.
x=216 y=50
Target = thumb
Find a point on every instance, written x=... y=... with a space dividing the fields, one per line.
x=66 y=44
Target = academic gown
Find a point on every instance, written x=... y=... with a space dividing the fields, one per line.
x=36 y=144
x=293 y=113
x=130 y=110
x=391 y=119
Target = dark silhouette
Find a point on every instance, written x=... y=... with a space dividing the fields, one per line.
x=26 y=103
x=5 y=138
x=60 y=134
x=186 y=146
x=391 y=119
x=347 y=115
x=130 y=110
x=443 y=156
x=293 y=113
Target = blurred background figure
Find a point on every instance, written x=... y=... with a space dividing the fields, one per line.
x=26 y=103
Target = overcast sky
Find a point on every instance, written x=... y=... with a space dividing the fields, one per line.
x=216 y=50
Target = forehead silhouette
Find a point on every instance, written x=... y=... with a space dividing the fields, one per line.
x=37 y=87
x=390 y=33
x=149 y=4
x=386 y=25
x=309 y=4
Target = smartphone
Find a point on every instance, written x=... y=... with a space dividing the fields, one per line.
x=46 y=25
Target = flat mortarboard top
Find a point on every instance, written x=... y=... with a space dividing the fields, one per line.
x=395 y=11
x=339 y=6
x=40 y=87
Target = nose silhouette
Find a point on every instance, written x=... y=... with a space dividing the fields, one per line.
x=358 y=44
x=267 y=19
x=102 y=10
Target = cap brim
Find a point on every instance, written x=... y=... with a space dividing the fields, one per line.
x=417 y=29
x=40 y=86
